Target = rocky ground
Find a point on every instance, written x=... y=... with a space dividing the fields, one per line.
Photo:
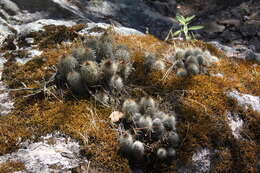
x=217 y=112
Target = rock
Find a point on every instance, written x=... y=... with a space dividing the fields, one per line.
x=249 y=30
x=167 y=8
x=213 y=27
x=10 y=7
x=229 y=36
x=230 y=22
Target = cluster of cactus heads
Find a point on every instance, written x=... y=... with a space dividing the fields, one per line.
x=100 y=62
x=154 y=63
x=192 y=61
x=147 y=131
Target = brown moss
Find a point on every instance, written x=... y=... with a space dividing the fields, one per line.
x=11 y=166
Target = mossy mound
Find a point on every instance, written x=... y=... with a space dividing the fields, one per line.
x=199 y=101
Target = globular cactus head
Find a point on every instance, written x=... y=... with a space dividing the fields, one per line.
x=171 y=152
x=136 y=117
x=179 y=54
x=93 y=44
x=197 y=51
x=193 y=69
x=116 y=82
x=188 y=52
x=67 y=64
x=173 y=139
x=105 y=51
x=147 y=105
x=160 y=115
x=158 y=65
x=90 y=73
x=109 y=68
x=84 y=54
x=126 y=142
x=182 y=72
x=180 y=64
x=191 y=59
x=138 y=150
x=145 y=123
x=150 y=59
x=152 y=62
x=122 y=53
x=161 y=153
x=170 y=122
x=75 y=82
x=130 y=107
x=125 y=70
x=158 y=129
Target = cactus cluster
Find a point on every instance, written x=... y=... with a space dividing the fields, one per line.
x=192 y=61
x=147 y=131
x=99 y=62
x=154 y=63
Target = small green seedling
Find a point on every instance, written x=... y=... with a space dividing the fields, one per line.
x=185 y=29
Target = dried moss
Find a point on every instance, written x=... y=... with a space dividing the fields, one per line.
x=11 y=166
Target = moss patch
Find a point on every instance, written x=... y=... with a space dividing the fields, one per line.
x=200 y=102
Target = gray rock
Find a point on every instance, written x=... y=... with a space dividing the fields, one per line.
x=10 y=7
x=213 y=27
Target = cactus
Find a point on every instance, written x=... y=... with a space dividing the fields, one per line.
x=161 y=153
x=170 y=122
x=105 y=51
x=138 y=150
x=84 y=54
x=109 y=68
x=90 y=73
x=193 y=61
x=158 y=65
x=66 y=65
x=160 y=115
x=182 y=72
x=136 y=117
x=130 y=107
x=147 y=105
x=122 y=53
x=116 y=82
x=193 y=69
x=150 y=128
x=158 y=128
x=125 y=70
x=145 y=122
x=75 y=82
x=173 y=139
x=171 y=152
x=180 y=64
x=126 y=143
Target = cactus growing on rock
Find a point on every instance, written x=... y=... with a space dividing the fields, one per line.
x=192 y=61
x=150 y=127
x=90 y=73
x=66 y=65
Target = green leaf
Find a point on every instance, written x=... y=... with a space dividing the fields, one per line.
x=180 y=19
x=188 y=19
x=195 y=28
x=176 y=33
